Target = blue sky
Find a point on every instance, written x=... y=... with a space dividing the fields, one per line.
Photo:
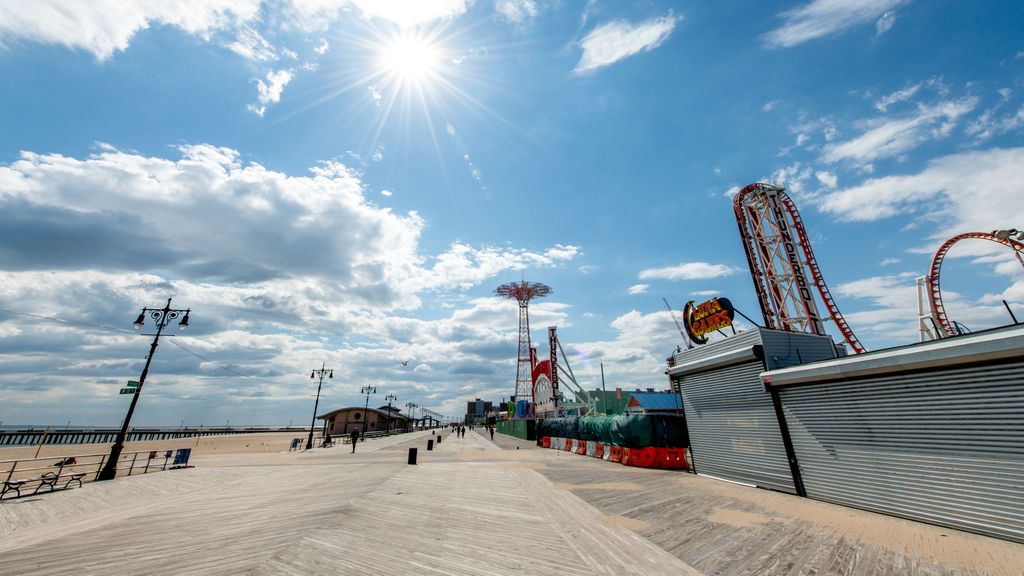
x=348 y=181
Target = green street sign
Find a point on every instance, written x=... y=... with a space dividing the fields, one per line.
x=133 y=384
x=127 y=390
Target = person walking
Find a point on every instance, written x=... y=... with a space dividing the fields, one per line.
x=355 y=438
x=491 y=430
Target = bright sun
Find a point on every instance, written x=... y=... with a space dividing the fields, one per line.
x=410 y=59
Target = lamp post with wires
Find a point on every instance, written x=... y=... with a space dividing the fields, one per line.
x=390 y=398
x=412 y=413
x=162 y=317
x=366 y=390
x=323 y=371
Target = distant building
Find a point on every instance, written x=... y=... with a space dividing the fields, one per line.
x=344 y=420
x=477 y=410
x=611 y=402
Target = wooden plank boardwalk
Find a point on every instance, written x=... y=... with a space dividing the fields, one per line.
x=723 y=528
x=470 y=507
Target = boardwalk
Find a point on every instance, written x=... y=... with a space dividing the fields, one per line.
x=470 y=507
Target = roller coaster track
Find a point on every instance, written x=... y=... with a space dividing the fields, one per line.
x=768 y=220
x=934 y=274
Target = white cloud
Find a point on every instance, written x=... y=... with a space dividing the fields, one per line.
x=706 y=293
x=375 y=94
x=463 y=266
x=903 y=95
x=270 y=91
x=638 y=288
x=770 y=105
x=889 y=262
x=588 y=269
x=892 y=316
x=793 y=178
x=975 y=190
x=893 y=313
x=887 y=138
x=827 y=179
x=322 y=47
x=821 y=18
x=386 y=193
x=220 y=219
x=103 y=27
x=990 y=123
x=517 y=11
x=281 y=272
x=885 y=23
x=614 y=41
x=688 y=271
x=408 y=13
x=251 y=45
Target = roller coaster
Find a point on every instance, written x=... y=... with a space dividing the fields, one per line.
x=933 y=321
x=780 y=257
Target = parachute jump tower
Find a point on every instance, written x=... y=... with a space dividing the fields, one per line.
x=522 y=292
x=780 y=258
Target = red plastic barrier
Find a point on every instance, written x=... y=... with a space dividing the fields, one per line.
x=546 y=441
x=671 y=458
x=616 y=454
x=570 y=443
x=599 y=450
x=581 y=447
x=625 y=456
x=642 y=457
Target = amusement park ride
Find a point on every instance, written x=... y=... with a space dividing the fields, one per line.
x=780 y=258
x=786 y=273
x=537 y=381
x=786 y=277
x=933 y=322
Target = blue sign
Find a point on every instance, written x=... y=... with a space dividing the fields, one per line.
x=181 y=456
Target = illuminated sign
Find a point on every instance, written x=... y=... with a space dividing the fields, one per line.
x=707 y=317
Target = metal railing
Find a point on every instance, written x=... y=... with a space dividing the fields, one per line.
x=130 y=463
x=49 y=437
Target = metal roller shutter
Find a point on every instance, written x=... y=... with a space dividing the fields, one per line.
x=944 y=447
x=734 y=433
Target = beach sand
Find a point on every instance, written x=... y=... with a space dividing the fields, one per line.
x=201 y=446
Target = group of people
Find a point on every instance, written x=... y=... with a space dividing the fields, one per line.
x=460 y=431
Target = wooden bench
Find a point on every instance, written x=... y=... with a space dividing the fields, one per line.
x=49 y=480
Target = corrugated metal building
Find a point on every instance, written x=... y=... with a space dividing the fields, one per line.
x=733 y=422
x=932 y=432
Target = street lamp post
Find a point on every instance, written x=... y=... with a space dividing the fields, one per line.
x=367 y=390
x=329 y=372
x=162 y=317
x=390 y=398
x=412 y=413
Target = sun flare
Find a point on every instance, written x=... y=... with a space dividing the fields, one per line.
x=410 y=59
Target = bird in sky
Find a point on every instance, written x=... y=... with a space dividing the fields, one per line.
x=406 y=363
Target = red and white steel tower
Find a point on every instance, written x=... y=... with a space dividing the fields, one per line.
x=523 y=292
x=780 y=257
